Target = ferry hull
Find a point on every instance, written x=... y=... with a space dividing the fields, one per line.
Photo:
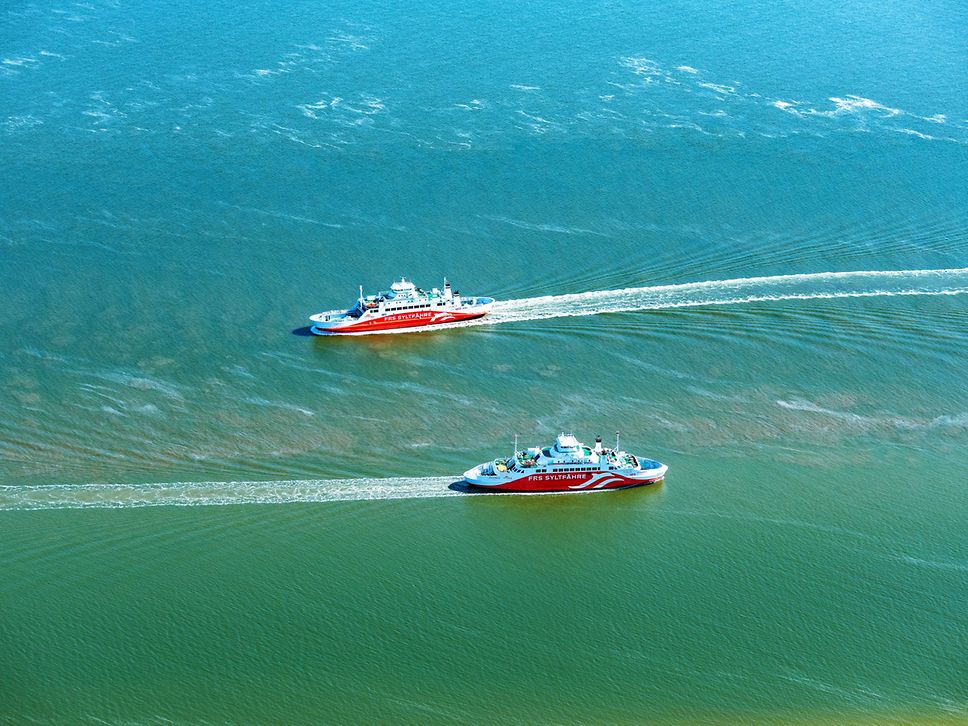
x=403 y=322
x=574 y=482
x=401 y=309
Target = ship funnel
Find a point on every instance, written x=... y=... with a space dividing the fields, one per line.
x=448 y=295
x=598 y=444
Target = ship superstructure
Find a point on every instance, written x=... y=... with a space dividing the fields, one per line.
x=566 y=466
x=401 y=308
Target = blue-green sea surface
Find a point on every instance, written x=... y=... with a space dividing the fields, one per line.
x=736 y=233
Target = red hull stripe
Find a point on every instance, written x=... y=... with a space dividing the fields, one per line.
x=583 y=482
x=405 y=320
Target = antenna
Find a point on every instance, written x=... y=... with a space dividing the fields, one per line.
x=361 y=293
x=616 y=442
x=514 y=456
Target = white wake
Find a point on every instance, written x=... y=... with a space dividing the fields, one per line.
x=820 y=285
x=188 y=494
x=808 y=286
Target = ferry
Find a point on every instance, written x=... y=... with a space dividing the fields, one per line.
x=400 y=309
x=567 y=466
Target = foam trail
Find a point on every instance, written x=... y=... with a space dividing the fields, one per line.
x=821 y=285
x=809 y=286
x=187 y=494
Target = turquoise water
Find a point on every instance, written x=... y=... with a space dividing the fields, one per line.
x=736 y=234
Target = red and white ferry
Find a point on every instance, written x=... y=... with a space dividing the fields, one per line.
x=568 y=466
x=400 y=309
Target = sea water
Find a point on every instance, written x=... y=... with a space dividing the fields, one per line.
x=735 y=233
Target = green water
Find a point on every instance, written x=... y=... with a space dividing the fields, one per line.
x=736 y=234
x=712 y=599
